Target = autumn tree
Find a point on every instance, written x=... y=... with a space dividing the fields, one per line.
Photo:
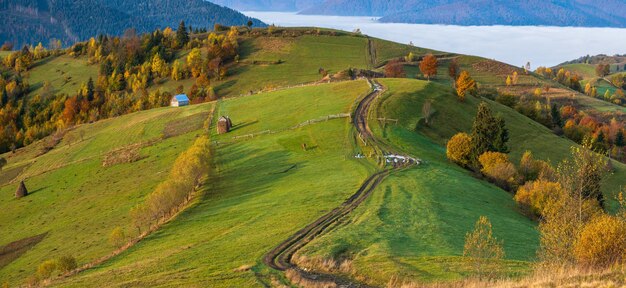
x=602 y=242
x=428 y=66
x=497 y=167
x=394 y=69
x=194 y=61
x=603 y=70
x=465 y=85
x=453 y=69
x=582 y=175
x=459 y=149
x=427 y=112
x=482 y=248
x=537 y=195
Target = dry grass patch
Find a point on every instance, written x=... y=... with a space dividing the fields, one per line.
x=126 y=154
x=494 y=67
x=243 y=268
x=298 y=279
x=184 y=125
x=15 y=249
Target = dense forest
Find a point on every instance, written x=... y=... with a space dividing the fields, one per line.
x=268 y=5
x=128 y=66
x=29 y=22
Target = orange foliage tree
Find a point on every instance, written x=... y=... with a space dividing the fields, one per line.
x=428 y=66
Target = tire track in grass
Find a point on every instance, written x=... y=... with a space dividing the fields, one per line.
x=280 y=258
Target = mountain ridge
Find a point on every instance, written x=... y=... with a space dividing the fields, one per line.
x=580 y=13
x=28 y=22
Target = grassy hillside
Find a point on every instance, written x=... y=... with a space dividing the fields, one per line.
x=74 y=200
x=264 y=188
x=66 y=74
x=414 y=225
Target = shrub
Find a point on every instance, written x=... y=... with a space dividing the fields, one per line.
x=529 y=167
x=117 y=238
x=66 y=264
x=507 y=99
x=496 y=166
x=602 y=242
x=46 y=269
x=459 y=149
x=536 y=195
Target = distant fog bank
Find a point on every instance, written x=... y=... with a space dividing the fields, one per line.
x=516 y=45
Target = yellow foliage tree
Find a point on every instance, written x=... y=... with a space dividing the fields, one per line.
x=536 y=195
x=483 y=249
x=497 y=167
x=602 y=242
x=459 y=149
x=194 y=61
x=465 y=85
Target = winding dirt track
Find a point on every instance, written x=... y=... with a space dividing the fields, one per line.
x=280 y=257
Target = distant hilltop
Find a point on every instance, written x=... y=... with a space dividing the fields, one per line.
x=580 y=13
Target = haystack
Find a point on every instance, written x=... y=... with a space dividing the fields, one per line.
x=224 y=124
x=21 y=191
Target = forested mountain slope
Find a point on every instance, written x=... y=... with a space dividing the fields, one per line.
x=33 y=21
x=268 y=5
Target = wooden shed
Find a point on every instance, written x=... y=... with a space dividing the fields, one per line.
x=224 y=124
x=179 y=100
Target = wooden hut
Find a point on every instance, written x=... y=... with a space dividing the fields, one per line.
x=21 y=191
x=224 y=124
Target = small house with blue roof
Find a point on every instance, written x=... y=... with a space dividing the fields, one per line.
x=179 y=100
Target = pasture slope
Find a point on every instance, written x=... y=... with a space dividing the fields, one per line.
x=265 y=186
x=74 y=200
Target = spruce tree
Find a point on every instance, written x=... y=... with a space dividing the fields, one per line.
x=182 y=36
x=485 y=132
x=502 y=136
x=90 y=89
x=557 y=121
x=619 y=139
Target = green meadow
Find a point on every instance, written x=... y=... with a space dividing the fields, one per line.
x=74 y=200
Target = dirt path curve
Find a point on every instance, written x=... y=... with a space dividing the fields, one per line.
x=280 y=257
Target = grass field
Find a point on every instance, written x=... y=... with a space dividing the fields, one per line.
x=301 y=58
x=525 y=134
x=263 y=189
x=264 y=186
x=77 y=201
x=414 y=224
x=588 y=71
x=66 y=74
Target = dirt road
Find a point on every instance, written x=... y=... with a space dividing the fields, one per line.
x=280 y=257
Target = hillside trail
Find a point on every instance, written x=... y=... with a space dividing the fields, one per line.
x=280 y=258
